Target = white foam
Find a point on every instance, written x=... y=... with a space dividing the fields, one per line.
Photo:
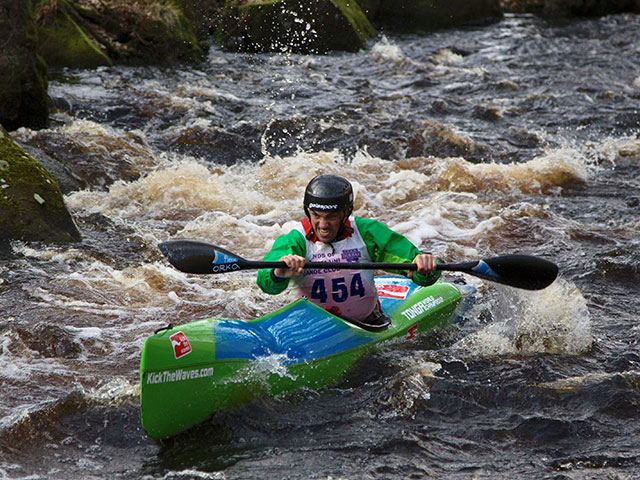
x=86 y=333
x=115 y=392
x=385 y=51
x=447 y=56
x=553 y=320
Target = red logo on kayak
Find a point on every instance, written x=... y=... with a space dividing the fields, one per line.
x=399 y=292
x=411 y=333
x=181 y=345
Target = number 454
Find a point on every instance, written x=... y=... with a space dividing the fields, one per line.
x=339 y=289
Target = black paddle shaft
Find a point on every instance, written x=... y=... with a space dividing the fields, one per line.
x=520 y=271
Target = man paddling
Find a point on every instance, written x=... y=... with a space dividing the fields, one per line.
x=329 y=233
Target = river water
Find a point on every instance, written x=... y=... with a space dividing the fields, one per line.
x=518 y=136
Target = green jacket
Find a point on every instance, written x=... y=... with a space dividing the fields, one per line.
x=383 y=245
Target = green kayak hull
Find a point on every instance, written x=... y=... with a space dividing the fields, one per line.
x=190 y=371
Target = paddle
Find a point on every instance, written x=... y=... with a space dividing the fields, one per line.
x=520 y=271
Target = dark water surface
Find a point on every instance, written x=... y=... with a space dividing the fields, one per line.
x=520 y=136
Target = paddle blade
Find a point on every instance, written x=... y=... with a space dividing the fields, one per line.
x=520 y=271
x=190 y=256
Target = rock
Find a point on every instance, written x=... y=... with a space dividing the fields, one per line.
x=416 y=15
x=62 y=42
x=292 y=26
x=369 y=7
x=31 y=204
x=204 y=15
x=23 y=89
x=570 y=8
x=148 y=31
x=67 y=180
x=85 y=33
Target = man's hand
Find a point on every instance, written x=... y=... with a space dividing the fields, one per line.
x=295 y=264
x=426 y=264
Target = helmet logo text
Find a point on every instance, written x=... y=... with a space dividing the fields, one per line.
x=318 y=206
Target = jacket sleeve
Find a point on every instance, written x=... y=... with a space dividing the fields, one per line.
x=292 y=243
x=385 y=245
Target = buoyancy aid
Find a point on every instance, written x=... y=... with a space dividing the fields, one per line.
x=350 y=293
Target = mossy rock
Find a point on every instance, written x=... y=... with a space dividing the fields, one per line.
x=31 y=204
x=147 y=31
x=167 y=39
x=23 y=83
x=204 y=16
x=416 y=15
x=292 y=26
x=85 y=34
x=62 y=42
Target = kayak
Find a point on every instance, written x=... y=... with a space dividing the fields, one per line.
x=190 y=371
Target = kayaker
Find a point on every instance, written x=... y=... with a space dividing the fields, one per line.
x=330 y=233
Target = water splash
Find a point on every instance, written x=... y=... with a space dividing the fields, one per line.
x=256 y=374
x=410 y=388
x=386 y=52
x=555 y=320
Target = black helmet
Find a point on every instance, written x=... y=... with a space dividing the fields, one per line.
x=328 y=192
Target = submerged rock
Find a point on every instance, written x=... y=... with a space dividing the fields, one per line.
x=23 y=85
x=31 y=204
x=313 y=26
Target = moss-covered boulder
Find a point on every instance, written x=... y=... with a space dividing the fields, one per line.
x=23 y=84
x=62 y=42
x=416 y=15
x=292 y=26
x=148 y=31
x=85 y=33
x=31 y=205
x=204 y=15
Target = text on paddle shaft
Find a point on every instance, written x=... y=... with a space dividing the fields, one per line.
x=224 y=263
x=421 y=307
x=225 y=268
x=178 y=375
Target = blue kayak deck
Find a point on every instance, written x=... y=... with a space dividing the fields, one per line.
x=302 y=332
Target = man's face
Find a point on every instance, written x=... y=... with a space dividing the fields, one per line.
x=326 y=224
